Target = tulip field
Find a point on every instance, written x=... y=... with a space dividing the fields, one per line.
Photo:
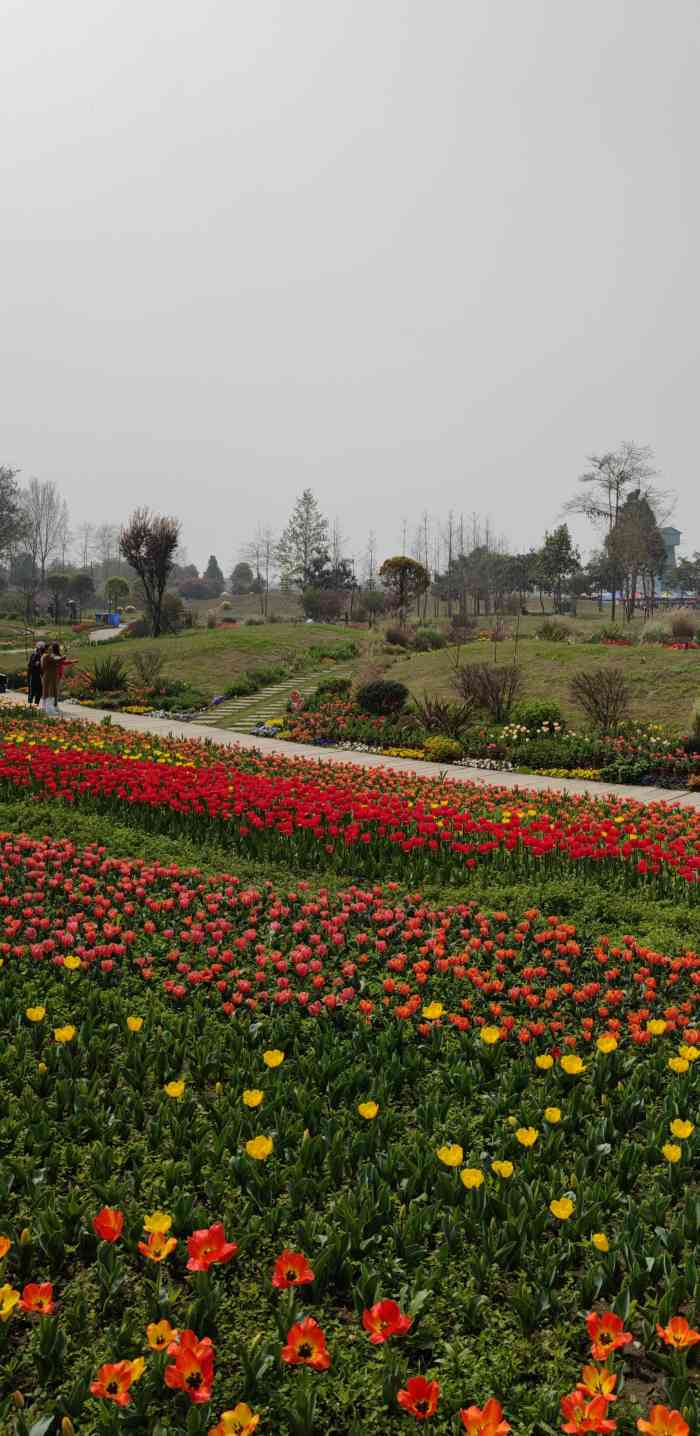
x=375 y=1114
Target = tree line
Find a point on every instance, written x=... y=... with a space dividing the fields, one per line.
x=458 y=566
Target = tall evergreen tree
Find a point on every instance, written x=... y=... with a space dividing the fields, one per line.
x=303 y=543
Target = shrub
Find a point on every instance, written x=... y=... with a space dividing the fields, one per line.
x=325 y=605
x=382 y=696
x=683 y=624
x=399 y=637
x=494 y=689
x=654 y=633
x=538 y=713
x=241 y=687
x=442 y=750
x=338 y=652
x=257 y=622
x=333 y=688
x=439 y=716
x=211 y=618
x=552 y=631
x=462 y=628
x=428 y=638
x=604 y=696
x=148 y=666
x=108 y=675
x=695 y=719
x=139 y=629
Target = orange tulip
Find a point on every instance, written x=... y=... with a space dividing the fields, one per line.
x=664 y=1422
x=113 y=1382
x=306 y=1346
x=678 y=1333
x=487 y=1421
x=607 y=1334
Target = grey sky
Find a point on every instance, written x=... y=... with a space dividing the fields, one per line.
x=412 y=253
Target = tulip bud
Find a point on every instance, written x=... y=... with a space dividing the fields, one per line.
x=573 y=1181
x=42 y=1067
x=25 y=1237
x=67 y=1427
x=17 y=1400
x=219 y=1088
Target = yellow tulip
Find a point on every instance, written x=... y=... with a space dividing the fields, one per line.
x=471 y=1177
x=502 y=1169
x=433 y=1011
x=671 y=1152
x=527 y=1136
x=452 y=1156
x=544 y=1062
x=35 y=1014
x=159 y=1222
x=490 y=1035
x=259 y=1148
x=656 y=1027
x=174 y=1089
x=368 y=1110
x=134 y=1024
x=64 y=1034
x=607 y=1043
x=562 y=1208
x=72 y=963
x=678 y=1064
x=691 y=1054
x=572 y=1064
x=252 y=1097
x=682 y=1129
x=552 y=1115
x=273 y=1057
x=600 y=1241
x=8 y=1301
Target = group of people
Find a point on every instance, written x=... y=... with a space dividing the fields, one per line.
x=45 y=671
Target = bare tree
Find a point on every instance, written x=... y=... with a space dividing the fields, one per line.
x=148 y=543
x=259 y=552
x=46 y=517
x=370 y=565
x=86 y=545
x=607 y=483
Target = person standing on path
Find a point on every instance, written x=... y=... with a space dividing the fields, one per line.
x=51 y=669
x=34 y=687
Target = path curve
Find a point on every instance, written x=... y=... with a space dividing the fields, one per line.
x=521 y=782
x=103 y=635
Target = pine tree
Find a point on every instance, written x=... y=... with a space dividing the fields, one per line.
x=304 y=542
x=212 y=573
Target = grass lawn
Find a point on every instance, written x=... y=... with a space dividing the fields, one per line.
x=664 y=682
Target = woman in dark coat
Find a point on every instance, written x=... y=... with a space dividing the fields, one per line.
x=34 y=689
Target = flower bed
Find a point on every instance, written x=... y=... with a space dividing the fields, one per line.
x=332 y=813
x=481 y=1145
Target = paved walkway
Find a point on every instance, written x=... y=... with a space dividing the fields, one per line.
x=103 y=635
x=166 y=727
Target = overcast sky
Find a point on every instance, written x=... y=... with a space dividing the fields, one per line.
x=411 y=253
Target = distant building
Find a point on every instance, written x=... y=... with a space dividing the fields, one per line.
x=671 y=537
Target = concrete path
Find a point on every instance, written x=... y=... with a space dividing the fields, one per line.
x=103 y=635
x=522 y=782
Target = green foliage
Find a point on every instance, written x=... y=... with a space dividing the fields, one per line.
x=537 y=713
x=382 y=696
x=439 y=716
x=427 y=639
x=109 y=674
x=442 y=750
x=551 y=631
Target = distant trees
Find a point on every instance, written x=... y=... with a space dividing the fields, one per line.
x=557 y=562
x=605 y=485
x=116 y=591
x=46 y=522
x=148 y=544
x=405 y=581
x=304 y=542
x=636 y=551
x=13 y=518
x=213 y=575
x=242 y=578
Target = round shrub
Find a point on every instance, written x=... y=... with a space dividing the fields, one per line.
x=442 y=750
x=654 y=633
x=382 y=696
x=552 y=631
x=399 y=637
x=428 y=638
x=538 y=713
